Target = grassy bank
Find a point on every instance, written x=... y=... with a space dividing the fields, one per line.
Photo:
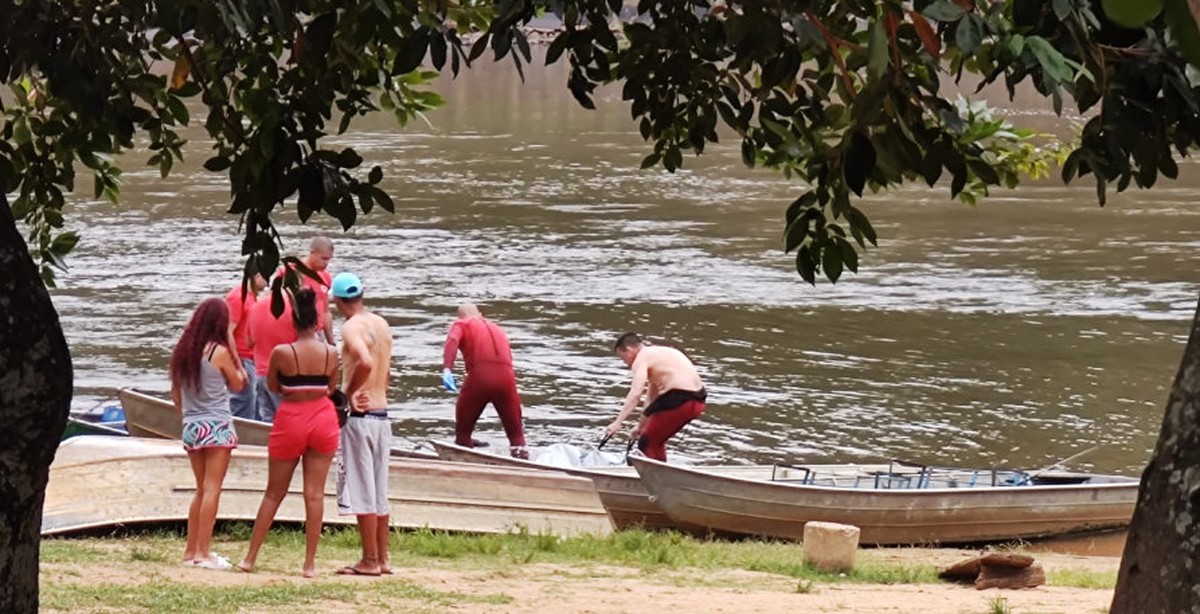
x=140 y=572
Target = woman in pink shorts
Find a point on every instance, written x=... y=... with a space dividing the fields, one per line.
x=304 y=373
x=203 y=370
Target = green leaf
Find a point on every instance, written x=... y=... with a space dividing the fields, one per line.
x=848 y=253
x=798 y=230
x=64 y=242
x=672 y=158
x=1131 y=13
x=858 y=221
x=178 y=110
x=858 y=161
x=382 y=199
x=1054 y=65
x=187 y=90
x=479 y=47
x=411 y=52
x=21 y=133
x=557 y=47
x=217 y=164
x=348 y=158
x=969 y=34
x=1062 y=9
x=806 y=265
x=877 y=50
x=749 y=152
x=800 y=205
x=944 y=11
x=277 y=299
x=1183 y=30
x=831 y=262
x=312 y=193
x=437 y=51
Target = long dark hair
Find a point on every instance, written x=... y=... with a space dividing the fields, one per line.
x=304 y=309
x=209 y=324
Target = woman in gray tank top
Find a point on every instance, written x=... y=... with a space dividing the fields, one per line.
x=203 y=371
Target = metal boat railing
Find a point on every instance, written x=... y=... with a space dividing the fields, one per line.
x=897 y=475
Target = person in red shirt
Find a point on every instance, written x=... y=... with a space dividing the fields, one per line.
x=490 y=378
x=320 y=252
x=265 y=332
x=240 y=300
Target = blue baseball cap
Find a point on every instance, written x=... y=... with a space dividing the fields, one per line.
x=346 y=285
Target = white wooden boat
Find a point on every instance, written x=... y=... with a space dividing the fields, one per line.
x=891 y=507
x=620 y=489
x=151 y=416
x=77 y=427
x=103 y=481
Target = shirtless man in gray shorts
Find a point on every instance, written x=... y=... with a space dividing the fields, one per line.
x=367 y=435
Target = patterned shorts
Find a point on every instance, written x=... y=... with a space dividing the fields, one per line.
x=209 y=433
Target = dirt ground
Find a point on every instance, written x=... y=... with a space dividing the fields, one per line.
x=541 y=588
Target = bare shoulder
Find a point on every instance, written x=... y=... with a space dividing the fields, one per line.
x=379 y=322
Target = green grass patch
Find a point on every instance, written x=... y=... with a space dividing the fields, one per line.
x=159 y=595
x=70 y=551
x=1082 y=578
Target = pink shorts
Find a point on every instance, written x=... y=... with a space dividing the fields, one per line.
x=303 y=426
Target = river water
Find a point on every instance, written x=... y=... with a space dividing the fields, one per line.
x=1025 y=330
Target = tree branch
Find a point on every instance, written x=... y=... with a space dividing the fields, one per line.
x=834 y=46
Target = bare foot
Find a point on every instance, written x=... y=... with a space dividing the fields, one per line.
x=244 y=566
x=309 y=572
x=385 y=569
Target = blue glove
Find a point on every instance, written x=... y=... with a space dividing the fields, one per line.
x=448 y=380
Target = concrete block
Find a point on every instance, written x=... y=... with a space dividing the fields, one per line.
x=829 y=546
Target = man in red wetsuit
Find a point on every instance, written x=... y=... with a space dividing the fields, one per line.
x=490 y=378
x=674 y=393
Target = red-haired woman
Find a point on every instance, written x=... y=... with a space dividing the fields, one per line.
x=306 y=429
x=203 y=371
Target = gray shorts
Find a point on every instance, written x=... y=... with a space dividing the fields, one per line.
x=362 y=466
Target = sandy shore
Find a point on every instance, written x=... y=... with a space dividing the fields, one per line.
x=538 y=588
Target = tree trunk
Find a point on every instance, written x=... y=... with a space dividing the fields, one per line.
x=35 y=398
x=1160 y=565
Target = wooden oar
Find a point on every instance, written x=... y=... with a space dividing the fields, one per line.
x=1068 y=459
x=1036 y=472
x=604 y=441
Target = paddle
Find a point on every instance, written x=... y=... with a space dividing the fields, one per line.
x=1036 y=472
x=603 y=441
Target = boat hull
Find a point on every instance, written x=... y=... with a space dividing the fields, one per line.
x=620 y=488
x=150 y=416
x=107 y=481
x=887 y=517
x=77 y=427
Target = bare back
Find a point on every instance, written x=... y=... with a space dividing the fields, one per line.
x=371 y=334
x=666 y=369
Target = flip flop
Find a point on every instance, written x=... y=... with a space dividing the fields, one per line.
x=352 y=571
x=218 y=564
